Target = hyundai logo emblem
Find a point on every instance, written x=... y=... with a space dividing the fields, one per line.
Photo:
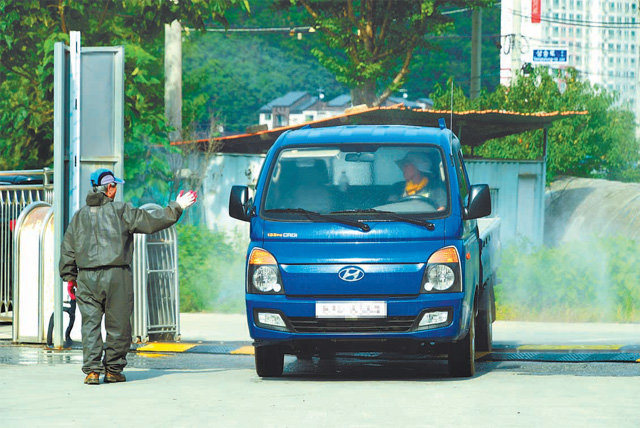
x=351 y=274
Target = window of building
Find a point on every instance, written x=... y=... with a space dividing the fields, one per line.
x=267 y=116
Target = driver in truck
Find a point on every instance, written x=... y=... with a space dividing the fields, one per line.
x=422 y=179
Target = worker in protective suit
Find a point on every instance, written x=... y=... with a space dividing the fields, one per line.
x=95 y=258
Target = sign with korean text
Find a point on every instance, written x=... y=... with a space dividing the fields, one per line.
x=549 y=56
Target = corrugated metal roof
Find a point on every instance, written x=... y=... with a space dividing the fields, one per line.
x=473 y=127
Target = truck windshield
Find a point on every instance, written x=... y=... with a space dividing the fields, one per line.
x=359 y=179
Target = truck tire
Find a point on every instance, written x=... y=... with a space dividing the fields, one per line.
x=269 y=361
x=462 y=354
x=484 y=332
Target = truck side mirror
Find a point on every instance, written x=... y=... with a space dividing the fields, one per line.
x=239 y=203
x=479 y=202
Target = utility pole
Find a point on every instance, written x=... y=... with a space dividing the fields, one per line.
x=476 y=53
x=173 y=78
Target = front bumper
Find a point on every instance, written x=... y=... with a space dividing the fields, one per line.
x=401 y=323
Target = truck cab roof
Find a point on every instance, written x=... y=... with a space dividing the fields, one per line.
x=391 y=134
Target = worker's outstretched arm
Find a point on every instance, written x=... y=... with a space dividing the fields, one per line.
x=143 y=221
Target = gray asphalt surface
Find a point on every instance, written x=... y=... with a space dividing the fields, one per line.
x=44 y=388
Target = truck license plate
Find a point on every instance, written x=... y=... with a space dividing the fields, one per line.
x=372 y=309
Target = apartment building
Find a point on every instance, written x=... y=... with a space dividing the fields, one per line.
x=601 y=39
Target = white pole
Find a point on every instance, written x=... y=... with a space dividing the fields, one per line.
x=74 y=149
x=173 y=78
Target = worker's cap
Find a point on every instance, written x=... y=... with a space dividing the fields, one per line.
x=104 y=176
x=418 y=159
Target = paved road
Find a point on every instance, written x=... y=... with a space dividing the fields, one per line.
x=44 y=388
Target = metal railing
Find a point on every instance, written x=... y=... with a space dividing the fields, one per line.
x=18 y=189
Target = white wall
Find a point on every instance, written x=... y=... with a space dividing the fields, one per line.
x=224 y=171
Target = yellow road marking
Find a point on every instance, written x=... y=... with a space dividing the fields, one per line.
x=166 y=347
x=569 y=347
x=245 y=350
x=481 y=354
x=152 y=354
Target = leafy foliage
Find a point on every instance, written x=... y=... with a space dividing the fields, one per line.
x=237 y=86
x=370 y=42
x=596 y=280
x=601 y=143
x=211 y=271
x=29 y=30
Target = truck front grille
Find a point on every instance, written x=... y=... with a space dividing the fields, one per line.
x=365 y=325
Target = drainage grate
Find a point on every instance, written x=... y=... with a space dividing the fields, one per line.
x=582 y=357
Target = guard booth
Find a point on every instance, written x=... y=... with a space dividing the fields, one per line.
x=155 y=282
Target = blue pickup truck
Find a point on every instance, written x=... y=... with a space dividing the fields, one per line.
x=365 y=238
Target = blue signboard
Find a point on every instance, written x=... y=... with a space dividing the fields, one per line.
x=549 y=55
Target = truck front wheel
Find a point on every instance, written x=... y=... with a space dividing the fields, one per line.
x=462 y=354
x=269 y=361
x=484 y=335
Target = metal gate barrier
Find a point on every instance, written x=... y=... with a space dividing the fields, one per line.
x=33 y=273
x=156 y=313
x=18 y=189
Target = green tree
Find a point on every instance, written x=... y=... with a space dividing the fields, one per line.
x=601 y=143
x=371 y=43
x=29 y=30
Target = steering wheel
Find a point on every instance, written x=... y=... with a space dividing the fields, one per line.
x=421 y=198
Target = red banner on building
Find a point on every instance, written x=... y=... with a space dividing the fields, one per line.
x=535 y=11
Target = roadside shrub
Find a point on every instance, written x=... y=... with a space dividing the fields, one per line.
x=211 y=271
x=592 y=280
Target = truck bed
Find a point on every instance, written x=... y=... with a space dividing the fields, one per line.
x=489 y=231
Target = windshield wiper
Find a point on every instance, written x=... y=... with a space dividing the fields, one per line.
x=395 y=216
x=364 y=226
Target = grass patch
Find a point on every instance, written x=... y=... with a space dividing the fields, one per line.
x=591 y=280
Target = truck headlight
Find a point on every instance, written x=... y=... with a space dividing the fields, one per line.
x=263 y=276
x=439 y=277
x=443 y=273
x=265 y=279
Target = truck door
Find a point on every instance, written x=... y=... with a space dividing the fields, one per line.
x=471 y=263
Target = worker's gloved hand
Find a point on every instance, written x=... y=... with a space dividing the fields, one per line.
x=185 y=200
x=71 y=289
